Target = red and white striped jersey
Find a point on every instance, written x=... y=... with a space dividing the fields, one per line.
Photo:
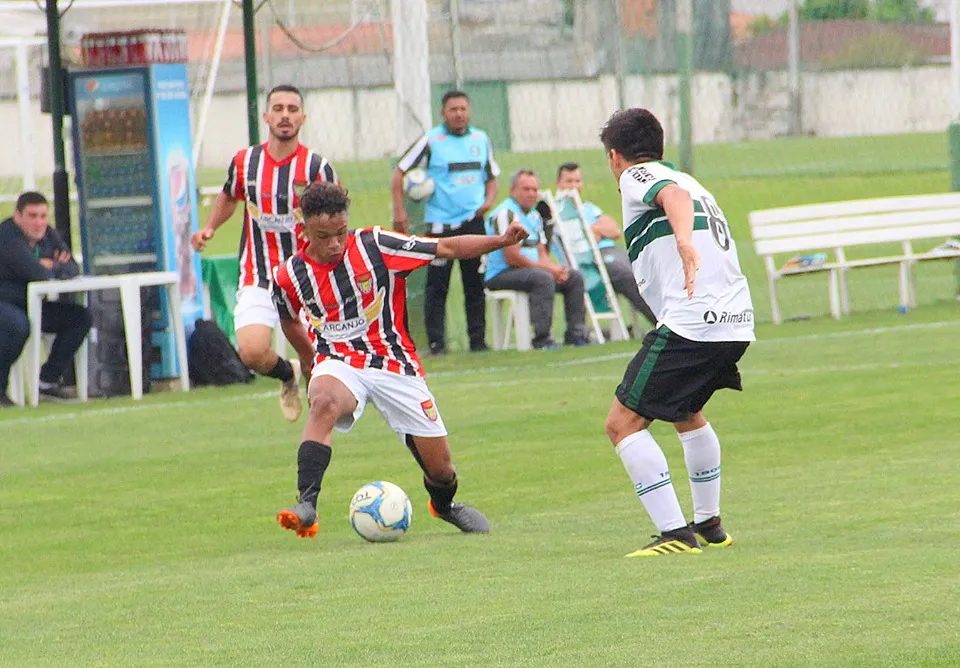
x=358 y=306
x=270 y=190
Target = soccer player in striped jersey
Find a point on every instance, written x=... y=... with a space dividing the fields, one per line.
x=268 y=179
x=352 y=287
x=686 y=266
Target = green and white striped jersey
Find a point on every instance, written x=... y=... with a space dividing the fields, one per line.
x=721 y=308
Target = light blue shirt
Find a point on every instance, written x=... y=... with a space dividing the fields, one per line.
x=460 y=166
x=497 y=223
x=591 y=213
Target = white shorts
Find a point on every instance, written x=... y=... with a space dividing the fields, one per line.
x=405 y=402
x=255 y=307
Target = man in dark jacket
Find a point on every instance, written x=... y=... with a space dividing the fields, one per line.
x=30 y=250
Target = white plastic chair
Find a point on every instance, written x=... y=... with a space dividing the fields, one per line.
x=511 y=315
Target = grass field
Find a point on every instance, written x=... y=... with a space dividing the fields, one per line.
x=143 y=534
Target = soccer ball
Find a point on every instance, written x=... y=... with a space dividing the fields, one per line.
x=417 y=185
x=380 y=512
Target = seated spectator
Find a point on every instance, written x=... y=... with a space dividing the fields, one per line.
x=528 y=268
x=606 y=231
x=30 y=250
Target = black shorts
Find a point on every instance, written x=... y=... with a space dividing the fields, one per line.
x=672 y=377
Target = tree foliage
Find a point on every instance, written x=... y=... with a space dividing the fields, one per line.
x=903 y=11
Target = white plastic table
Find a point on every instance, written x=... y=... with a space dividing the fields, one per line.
x=129 y=286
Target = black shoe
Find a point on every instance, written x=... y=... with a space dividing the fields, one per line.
x=545 y=344
x=465 y=518
x=6 y=402
x=480 y=347
x=53 y=391
x=678 y=541
x=576 y=341
x=711 y=532
x=437 y=348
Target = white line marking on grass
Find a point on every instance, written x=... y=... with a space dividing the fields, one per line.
x=96 y=412
x=785 y=339
x=455 y=375
x=746 y=372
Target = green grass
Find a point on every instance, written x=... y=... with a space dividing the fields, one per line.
x=142 y=534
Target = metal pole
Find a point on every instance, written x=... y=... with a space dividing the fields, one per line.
x=250 y=60
x=211 y=80
x=266 y=42
x=620 y=56
x=411 y=70
x=953 y=130
x=455 y=44
x=26 y=122
x=61 y=186
x=955 y=57
x=685 y=56
x=794 y=56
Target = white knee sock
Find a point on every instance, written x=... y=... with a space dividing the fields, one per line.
x=648 y=470
x=701 y=452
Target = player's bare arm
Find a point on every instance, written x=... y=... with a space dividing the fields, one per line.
x=473 y=245
x=401 y=221
x=297 y=336
x=678 y=205
x=223 y=208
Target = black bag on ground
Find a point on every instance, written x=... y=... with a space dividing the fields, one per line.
x=211 y=358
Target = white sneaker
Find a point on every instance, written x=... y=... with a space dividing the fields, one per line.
x=290 y=404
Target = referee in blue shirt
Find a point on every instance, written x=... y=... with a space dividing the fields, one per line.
x=459 y=159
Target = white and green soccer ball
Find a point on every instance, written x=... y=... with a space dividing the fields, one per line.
x=417 y=185
x=380 y=512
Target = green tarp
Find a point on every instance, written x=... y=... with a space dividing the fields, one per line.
x=220 y=275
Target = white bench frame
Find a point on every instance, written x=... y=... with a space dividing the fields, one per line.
x=836 y=226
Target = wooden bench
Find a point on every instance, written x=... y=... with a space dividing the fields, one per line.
x=834 y=227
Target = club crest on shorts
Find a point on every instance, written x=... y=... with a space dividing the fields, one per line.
x=299 y=187
x=429 y=409
x=365 y=283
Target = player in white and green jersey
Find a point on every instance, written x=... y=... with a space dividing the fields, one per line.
x=685 y=262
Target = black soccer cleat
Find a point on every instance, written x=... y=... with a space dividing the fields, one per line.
x=677 y=541
x=465 y=518
x=711 y=532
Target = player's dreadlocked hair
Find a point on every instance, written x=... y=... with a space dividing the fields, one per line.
x=635 y=134
x=323 y=198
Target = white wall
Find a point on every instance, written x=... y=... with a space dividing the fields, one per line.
x=342 y=124
x=876 y=102
x=42 y=146
x=358 y=124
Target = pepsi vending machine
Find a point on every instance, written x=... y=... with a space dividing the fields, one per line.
x=136 y=184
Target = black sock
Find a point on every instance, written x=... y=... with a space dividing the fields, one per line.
x=312 y=461
x=282 y=371
x=441 y=494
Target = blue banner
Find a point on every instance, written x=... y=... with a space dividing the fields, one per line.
x=170 y=93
